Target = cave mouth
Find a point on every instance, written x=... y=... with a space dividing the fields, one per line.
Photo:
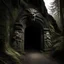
x=32 y=39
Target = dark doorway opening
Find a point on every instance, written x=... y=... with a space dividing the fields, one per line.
x=32 y=39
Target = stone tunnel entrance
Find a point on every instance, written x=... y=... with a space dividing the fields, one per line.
x=32 y=40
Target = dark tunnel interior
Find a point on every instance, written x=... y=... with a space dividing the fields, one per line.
x=32 y=38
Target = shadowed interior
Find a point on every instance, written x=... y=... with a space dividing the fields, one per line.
x=32 y=38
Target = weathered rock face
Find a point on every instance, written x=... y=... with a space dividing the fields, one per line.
x=21 y=25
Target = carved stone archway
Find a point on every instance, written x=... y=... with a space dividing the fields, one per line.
x=20 y=31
